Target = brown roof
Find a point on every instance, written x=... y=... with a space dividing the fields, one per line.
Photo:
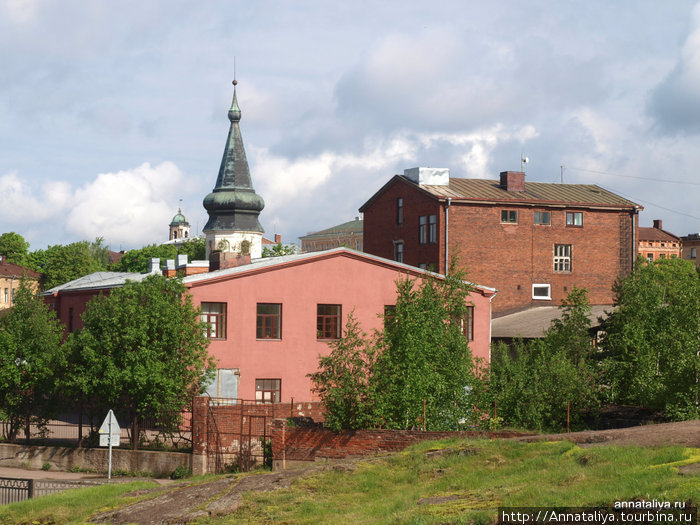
x=544 y=192
x=656 y=234
x=8 y=269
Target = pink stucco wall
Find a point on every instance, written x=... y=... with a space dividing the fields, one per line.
x=355 y=281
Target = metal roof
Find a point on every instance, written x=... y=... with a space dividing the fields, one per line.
x=535 y=192
x=534 y=322
x=98 y=280
x=354 y=226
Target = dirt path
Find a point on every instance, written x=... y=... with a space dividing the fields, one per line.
x=686 y=434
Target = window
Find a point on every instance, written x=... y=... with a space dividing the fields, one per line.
x=662 y=256
x=574 y=218
x=509 y=216
x=432 y=229
x=6 y=296
x=468 y=324
x=422 y=229
x=693 y=253
x=542 y=217
x=389 y=314
x=328 y=321
x=269 y=322
x=398 y=251
x=542 y=291
x=399 y=211
x=70 y=319
x=224 y=384
x=562 y=257
x=214 y=315
x=268 y=390
x=650 y=257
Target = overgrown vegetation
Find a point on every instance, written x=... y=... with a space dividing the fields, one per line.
x=458 y=481
x=653 y=339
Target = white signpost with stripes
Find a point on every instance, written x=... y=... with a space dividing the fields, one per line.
x=110 y=434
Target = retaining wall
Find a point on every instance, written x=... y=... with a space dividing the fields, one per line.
x=63 y=458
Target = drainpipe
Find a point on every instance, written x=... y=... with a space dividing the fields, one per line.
x=490 y=322
x=447 y=234
x=635 y=248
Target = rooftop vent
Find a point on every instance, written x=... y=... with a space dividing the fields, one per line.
x=429 y=176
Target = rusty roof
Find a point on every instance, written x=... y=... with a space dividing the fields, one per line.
x=535 y=192
x=656 y=234
x=8 y=269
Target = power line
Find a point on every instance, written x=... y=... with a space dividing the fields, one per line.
x=633 y=177
x=649 y=202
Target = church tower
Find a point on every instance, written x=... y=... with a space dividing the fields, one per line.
x=233 y=206
x=179 y=227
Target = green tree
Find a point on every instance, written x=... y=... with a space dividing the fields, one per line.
x=142 y=351
x=31 y=361
x=345 y=380
x=653 y=338
x=14 y=247
x=424 y=358
x=195 y=249
x=60 y=264
x=279 y=249
x=532 y=383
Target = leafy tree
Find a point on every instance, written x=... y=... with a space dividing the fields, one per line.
x=142 y=351
x=279 y=249
x=195 y=249
x=653 y=338
x=533 y=382
x=60 y=264
x=424 y=357
x=345 y=380
x=14 y=247
x=30 y=360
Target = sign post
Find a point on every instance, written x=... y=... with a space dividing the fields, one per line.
x=110 y=434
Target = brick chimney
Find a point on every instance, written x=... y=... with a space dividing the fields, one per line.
x=223 y=260
x=278 y=238
x=513 y=180
x=657 y=224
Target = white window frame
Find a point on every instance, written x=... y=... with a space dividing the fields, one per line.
x=573 y=215
x=398 y=251
x=562 y=258
x=540 y=297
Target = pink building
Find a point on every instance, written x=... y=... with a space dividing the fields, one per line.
x=271 y=319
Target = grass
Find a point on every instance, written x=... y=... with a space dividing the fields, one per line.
x=467 y=488
x=71 y=506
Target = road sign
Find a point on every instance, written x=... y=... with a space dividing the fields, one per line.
x=110 y=433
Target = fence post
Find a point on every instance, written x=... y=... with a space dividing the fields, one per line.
x=30 y=487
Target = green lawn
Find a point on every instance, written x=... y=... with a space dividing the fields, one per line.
x=467 y=487
x=71 y=506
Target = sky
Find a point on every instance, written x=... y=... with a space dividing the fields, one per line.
x=111 y=112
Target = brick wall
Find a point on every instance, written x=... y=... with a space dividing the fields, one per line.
x=509 y=257
x=296 y=444
x=219 y=426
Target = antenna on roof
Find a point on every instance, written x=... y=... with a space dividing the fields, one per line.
x=523 y=160
x=561 y=174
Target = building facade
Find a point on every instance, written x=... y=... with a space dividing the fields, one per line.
x=179 y=227
x=348 y=234
x=656 y=243
x=531 y=241
x=270 y=320
x=691 y=248
x=10 y=277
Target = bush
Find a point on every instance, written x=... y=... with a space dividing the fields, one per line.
x=180 y=473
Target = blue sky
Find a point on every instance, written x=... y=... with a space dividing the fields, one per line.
x=111 y=112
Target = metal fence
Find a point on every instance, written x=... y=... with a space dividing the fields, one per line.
x=171 y=433
x=13 y=490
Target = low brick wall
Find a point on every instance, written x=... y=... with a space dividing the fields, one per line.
x=298 y=444
x=63 y=458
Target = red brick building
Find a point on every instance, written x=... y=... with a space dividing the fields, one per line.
x=656 y=243
x=691 y=247
x=532 y=241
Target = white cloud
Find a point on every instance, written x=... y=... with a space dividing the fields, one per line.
x=129 y=207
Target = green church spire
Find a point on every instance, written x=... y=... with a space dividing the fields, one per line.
x=233 y=205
